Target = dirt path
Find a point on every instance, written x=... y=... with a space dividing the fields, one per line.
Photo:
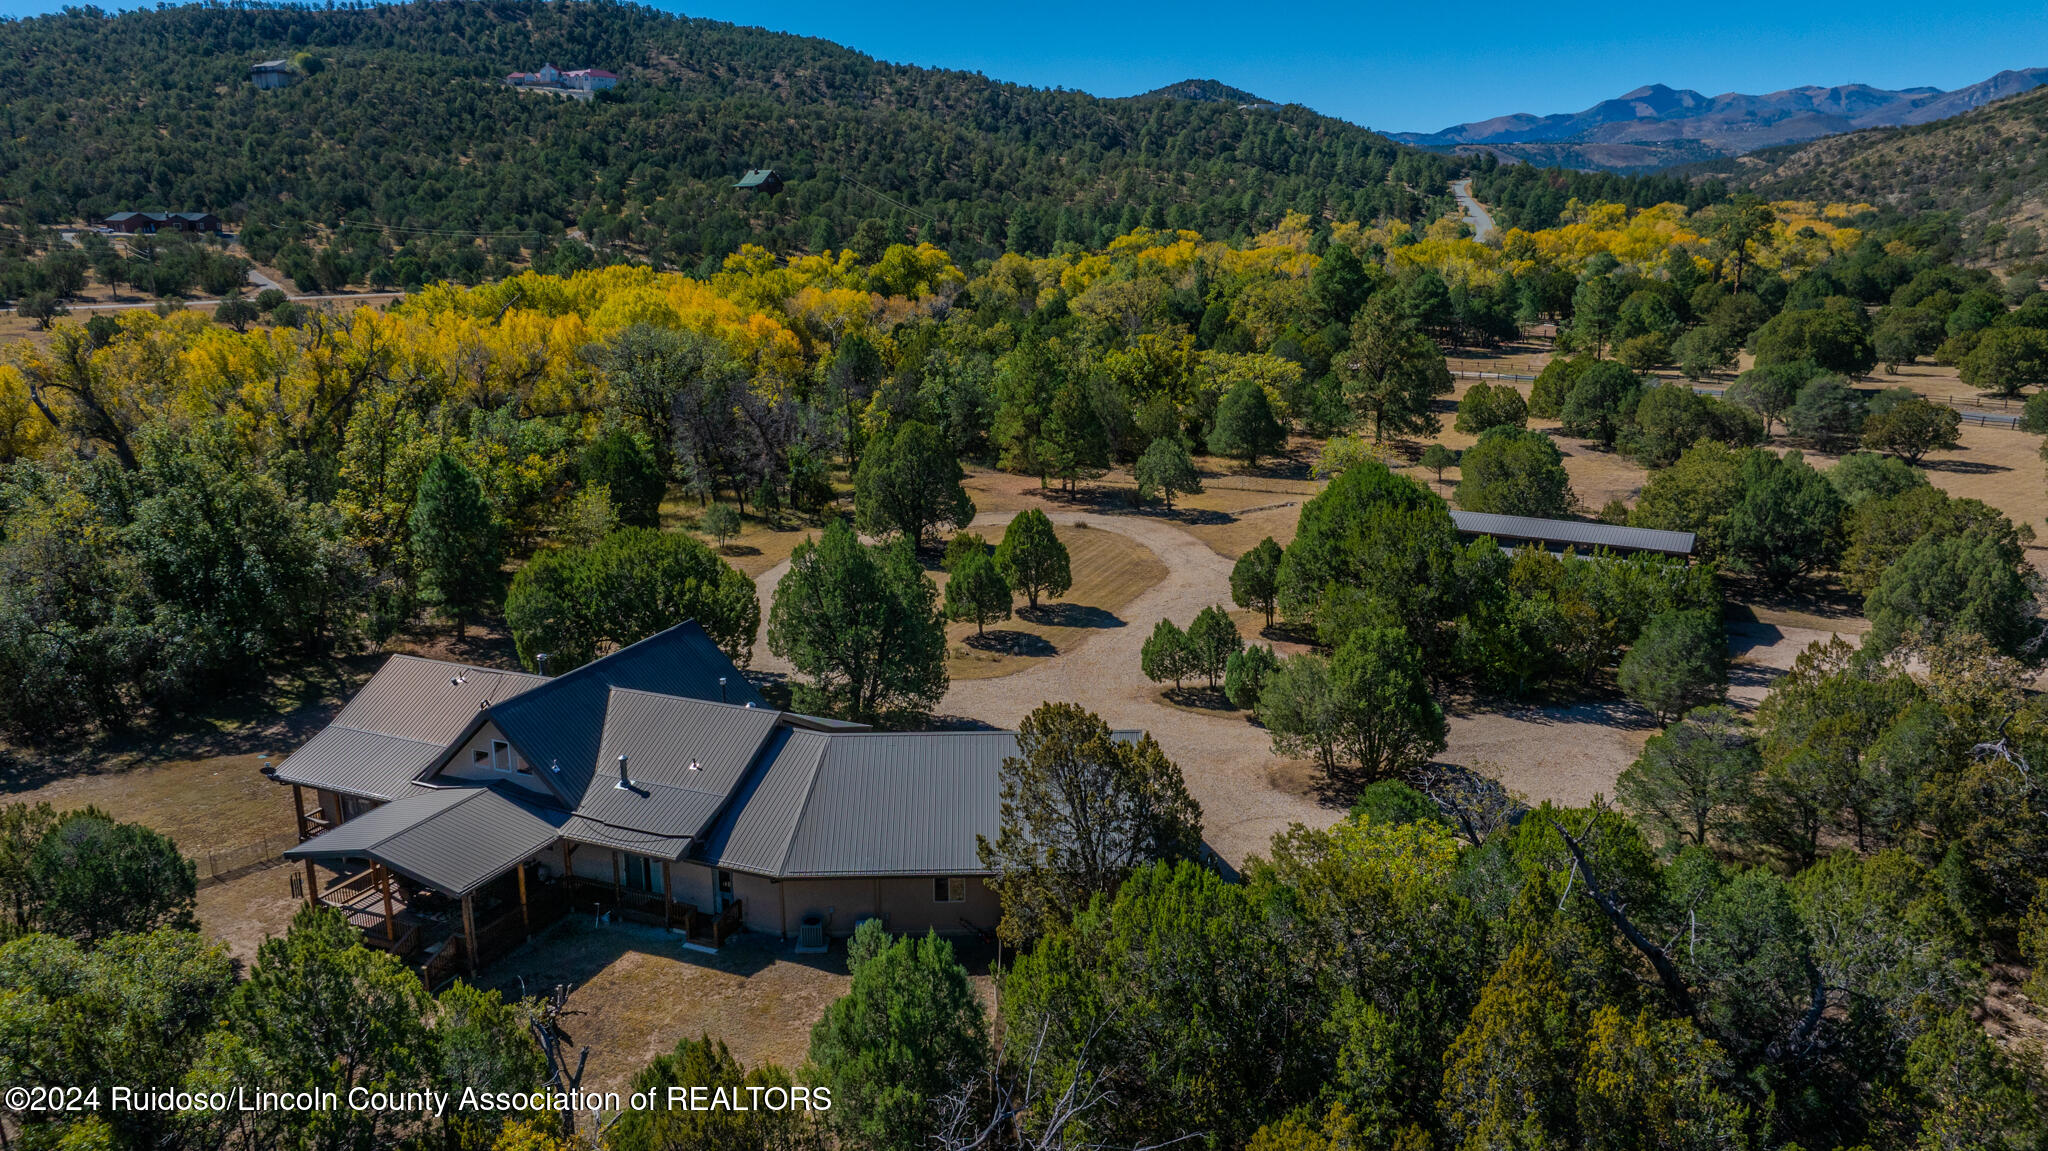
x=1225 y=759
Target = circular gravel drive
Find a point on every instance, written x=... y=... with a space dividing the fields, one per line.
x=1224 y=758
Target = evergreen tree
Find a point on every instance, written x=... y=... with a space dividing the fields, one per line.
x=1166 y=654
x=1255 y=578
x=1788 y=521
x=861 y=625
x=1678 y=662
x=1245 y=425
x=1694 y=778
x=907 y=1033
x=618 y=461
x=977 y=591
x=94 y=877
x=909 y=482
x=1081 y=811
x=1392 y=372
x=1517 y=473
x=1032 y=558
x=1211 y=640
x=455 y=540
x=1246 y=674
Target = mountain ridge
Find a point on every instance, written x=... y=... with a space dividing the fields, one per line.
x=1655 y=125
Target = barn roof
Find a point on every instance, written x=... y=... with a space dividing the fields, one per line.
x=1573 y=533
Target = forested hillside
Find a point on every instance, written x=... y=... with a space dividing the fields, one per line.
x=1986 y=166
x=399 y=118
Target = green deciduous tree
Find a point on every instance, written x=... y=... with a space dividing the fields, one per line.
x=1080 y=812
x=1166 y=469
x=1487 y=405
x=570 y=602
x=456 y=540
x=861 y=626
x=1678 y=663
x=1770 y=390
x=1515 y=472
x=908 y=1032
x=1912 y=428
x=1032 y=557
x=909 y=482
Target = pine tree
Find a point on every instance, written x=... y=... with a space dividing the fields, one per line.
x=1033 y=559
x=1245 y=425
x=1255 y=580
x=455 y=540
x=977 y=591
x=1166 y=655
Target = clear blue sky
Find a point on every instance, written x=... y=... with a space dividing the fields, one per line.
x=1421 y=66
x=1418 y=65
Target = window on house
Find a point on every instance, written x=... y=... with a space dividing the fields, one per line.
x=949 y=889
x=501 y=755
x=479 y=757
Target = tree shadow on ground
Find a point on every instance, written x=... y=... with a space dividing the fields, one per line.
x=959 y=723
x=1963 y=467
x=1117 y=501
x=1203 y=698
x=1069 y=615
x=738 y=550
x=1752 y=675
x=1610 y=711
x=1826 y=598
x=1745 y=637
x=1004 y=641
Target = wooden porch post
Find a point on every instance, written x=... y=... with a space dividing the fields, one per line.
x=299 y=808
x=469 y=932
x=525 y=919
x=384 y=886
x=312 y=896
x=618 y=885
x=668 y=899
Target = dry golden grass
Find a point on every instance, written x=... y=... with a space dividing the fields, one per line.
x=204 y=804
x=1110 y=570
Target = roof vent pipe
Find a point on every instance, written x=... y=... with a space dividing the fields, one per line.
x=625 y=782
x=540 y=663
x=721 y=690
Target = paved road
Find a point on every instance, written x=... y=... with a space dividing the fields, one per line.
x=1475 y=212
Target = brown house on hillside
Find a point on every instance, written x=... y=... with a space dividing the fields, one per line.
x=129 y=223
x=456 y=810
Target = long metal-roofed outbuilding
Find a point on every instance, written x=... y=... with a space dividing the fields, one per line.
x=1572 y=535
x=654 y=782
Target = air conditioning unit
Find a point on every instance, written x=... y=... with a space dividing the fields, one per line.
x=810 y=935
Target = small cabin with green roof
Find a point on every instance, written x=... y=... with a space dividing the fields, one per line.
x=761 y=180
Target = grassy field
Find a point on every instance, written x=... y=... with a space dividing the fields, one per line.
x=1109 y=570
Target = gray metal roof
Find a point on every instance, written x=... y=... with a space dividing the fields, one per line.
x=453 y=840
x=409 y=703
x=563 y=721
x=683 y=757
x=1611 y=536
x=755 y=832
x=868 y=803
x=361 y=763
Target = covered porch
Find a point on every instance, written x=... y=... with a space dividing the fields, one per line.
x=449 y=878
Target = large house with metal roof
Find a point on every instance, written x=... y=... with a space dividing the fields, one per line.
x=455 y=809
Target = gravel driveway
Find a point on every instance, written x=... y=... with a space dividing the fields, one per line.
x=1224 y=757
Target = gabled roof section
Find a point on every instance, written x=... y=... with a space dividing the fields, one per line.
x=398 y=724
x=562 y=722
x=684 y=758
x=453 y=839
x=867 y=803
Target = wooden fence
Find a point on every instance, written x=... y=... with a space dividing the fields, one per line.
x=229 y=862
